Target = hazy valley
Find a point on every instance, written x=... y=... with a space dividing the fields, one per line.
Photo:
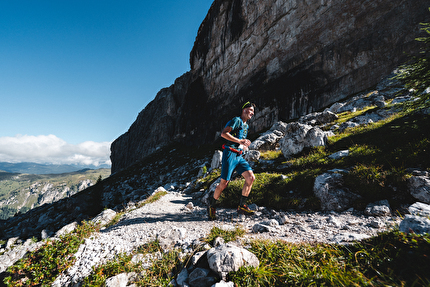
x=37 y=168
x=20 y=192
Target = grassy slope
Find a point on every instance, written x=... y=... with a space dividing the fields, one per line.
x=381 y=155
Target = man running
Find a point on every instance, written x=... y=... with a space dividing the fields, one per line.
x=235 y=133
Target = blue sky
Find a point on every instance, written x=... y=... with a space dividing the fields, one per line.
x=77 y=73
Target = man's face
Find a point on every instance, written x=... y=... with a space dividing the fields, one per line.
x=247 y=113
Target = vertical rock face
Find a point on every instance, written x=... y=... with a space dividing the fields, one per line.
x=290 y=57
x=302 y=55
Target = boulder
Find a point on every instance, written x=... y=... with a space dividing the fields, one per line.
x=283 y=219
x=11 y=242
x=401 y=99
x=252 y=155
x=359 y=102
x=334 y=108
x=199 y=277
x=349 y=237
x=270 y=139
x=226 y=258
x=372 y=117
x=419 y=187
x=265 y=226
x=66 y=229
x=298 y=136
x=182 y=277
x=45 y=233
x=222 y=283
x=346 y=125
x=119 y=280
x=14 y=253
x=216 y=160
x=415 y=224
x=197 y=256
x=104 y=217
x=380 y=208
x=419 y=208
x=169 y=237
x=318 y=118
x=328 y=187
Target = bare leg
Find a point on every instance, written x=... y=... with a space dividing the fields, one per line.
x=221 y=186
x=249 y=180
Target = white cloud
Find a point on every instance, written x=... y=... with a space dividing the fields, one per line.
x=51 y=149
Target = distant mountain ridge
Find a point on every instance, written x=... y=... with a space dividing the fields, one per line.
x=37 y=168
x=20 y=192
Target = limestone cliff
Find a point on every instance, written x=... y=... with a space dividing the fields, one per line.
x=290 y=57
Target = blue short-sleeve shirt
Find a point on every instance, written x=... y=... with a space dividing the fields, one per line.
x=239 y=130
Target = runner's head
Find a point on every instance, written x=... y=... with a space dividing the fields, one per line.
x=247 y=112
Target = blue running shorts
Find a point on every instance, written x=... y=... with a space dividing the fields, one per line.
x=232 y=161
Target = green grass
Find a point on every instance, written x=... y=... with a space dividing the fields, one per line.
x=270 y=155
x=390 y=259
x=41 y=267
x=226 y=235
x=153 y=198
x=162 y=270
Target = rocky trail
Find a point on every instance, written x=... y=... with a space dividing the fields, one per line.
x=176 y=222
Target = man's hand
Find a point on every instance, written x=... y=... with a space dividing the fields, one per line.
x=226 y=134
x=245 y=142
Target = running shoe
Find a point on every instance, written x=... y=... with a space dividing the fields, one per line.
x=211 y=213
x=244 y=209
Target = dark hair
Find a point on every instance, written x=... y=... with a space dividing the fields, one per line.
x=247 y=105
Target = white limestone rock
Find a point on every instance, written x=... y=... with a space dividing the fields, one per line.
x=380 y=208
x=420 y=209
x=416 y=224
x=104 y=217
x=226 y=258
x=419 y=187
x=328 y=187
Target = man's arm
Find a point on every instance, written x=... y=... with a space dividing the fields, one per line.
x=227 y=135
